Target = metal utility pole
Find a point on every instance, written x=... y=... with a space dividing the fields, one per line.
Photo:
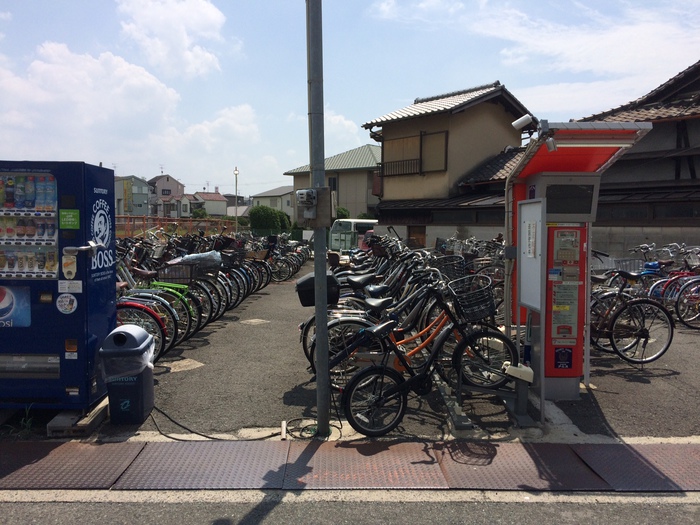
x=314 y=51
x=235 y=173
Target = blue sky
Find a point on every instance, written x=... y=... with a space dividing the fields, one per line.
x=196 y=87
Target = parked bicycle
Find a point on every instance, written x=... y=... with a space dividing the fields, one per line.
x=638 y=329
x=375 y=399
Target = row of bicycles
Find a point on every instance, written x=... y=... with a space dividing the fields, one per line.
x=405 y=319
x=635 y=302
x=174 y=286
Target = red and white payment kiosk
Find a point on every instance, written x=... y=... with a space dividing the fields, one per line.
x=552 y=196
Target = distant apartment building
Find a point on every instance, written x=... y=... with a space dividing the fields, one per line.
x=165 y=189
x=213 y=203
x=278 y=198
x=131 y=195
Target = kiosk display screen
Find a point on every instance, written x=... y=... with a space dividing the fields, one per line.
x=570 y=198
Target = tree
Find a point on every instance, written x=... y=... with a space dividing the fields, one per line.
x=365 y=216
x=199 y=213
x=342 y=213
x=285 y=223
x=264 y=218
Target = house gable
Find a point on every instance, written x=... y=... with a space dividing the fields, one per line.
x=428 y=146
x=350 y=175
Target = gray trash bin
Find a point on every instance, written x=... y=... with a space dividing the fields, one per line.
x=125 y=359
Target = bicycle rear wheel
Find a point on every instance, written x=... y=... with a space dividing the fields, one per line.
x=480 y=357
x=601 y=305
x=341 y=334
x=368 y=410
x=641 y=331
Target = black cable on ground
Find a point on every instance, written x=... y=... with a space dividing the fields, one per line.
x=213 y=438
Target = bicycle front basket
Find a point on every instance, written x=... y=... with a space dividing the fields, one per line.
x=176 y=274
x=473 y=297
x=451 y=266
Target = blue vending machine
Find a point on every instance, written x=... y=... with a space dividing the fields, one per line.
x=57 y=282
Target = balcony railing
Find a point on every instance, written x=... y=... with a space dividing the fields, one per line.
x=400 y=167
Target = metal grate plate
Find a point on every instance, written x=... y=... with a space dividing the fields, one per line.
x=643 y=468
x=47 y=465
x=371 y=465
x=208 y=465
x=679 y=463
x=512 y=466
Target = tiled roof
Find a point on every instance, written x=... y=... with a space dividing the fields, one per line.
x=210 y=196
x=364 y=157
x=276 y=192
x=495 y=168
x=449 y=102
x=157 y=178
x=649 y=113
x=459 y=202
x=676 y=99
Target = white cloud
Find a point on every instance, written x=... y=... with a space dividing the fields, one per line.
x=170 y=33
x=573 y=100
x=207 y=150
x=69 y=106
x=635 y=40
x=423 y=11
x=341 y=134
x=231 y=126
x=78 y=106
x=568 y=56
x=607 y=60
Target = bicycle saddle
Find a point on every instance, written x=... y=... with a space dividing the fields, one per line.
x=630 y=276
x=358 y=282
x=378 y=305
x=378 y=290
x=382 y=330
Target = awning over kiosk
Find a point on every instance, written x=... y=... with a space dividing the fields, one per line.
x=578 y=146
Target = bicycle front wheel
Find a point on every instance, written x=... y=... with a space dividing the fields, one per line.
x=688 y=304
x=481 y=357
x=641 y=331
x=367 y=407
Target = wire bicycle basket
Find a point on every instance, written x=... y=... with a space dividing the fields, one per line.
x=451 y=266
x=176 y=274
x=473 y=297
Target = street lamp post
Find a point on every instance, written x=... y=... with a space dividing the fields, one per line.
x=235 y=173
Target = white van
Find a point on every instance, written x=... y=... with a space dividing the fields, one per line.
x=348 y=234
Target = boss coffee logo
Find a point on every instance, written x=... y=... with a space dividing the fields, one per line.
x=101 y=231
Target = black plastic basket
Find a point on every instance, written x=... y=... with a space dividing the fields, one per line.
x=176 y=274
x=232 y=259
x=473 y=297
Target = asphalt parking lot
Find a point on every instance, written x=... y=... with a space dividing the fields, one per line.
x=245 y=374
